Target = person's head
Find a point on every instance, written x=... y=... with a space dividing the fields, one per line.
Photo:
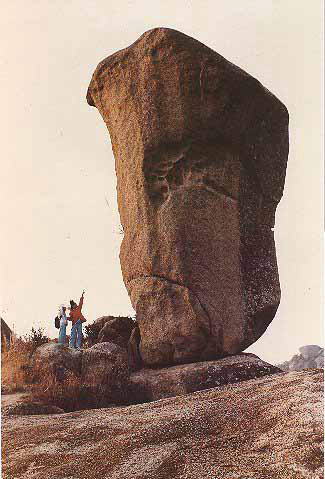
x=73 y=304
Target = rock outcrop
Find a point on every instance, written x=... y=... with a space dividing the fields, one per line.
x=56 y=359
x=6 y=335
x=31 y=408
x=117 y=331
x=201 y=150
x=267 y=428
x=120 y=330
x=310 y=357
x=114 y=329
x=100 y=374
x=105 y=373
x=153 y=384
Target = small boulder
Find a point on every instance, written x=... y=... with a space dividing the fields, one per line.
x=117 y=331
x=57 y=359
x=105 y=373
x=92 y=330
x=311 y=351
x=29 y=408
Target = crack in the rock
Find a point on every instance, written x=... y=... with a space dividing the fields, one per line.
x=163 y=278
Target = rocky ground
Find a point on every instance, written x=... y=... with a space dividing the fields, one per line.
x=263 y=428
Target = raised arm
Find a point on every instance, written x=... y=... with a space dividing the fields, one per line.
x=81 y=302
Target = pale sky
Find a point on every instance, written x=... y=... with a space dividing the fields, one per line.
x=57 y=170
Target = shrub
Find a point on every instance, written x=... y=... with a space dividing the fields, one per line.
x=92 y=332
x=15 y=366
x=36 y=338
x=68 y=394
x=16 y=372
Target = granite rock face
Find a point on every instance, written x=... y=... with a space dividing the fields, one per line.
x=201 y=150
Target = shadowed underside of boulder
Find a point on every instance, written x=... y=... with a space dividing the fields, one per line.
x=201 y=150
x=152 y=384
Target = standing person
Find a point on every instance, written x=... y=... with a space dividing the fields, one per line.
x=77 y=319
x=63 y=325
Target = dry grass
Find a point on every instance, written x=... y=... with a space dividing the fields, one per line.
x=15 y=366
x=48 y=386
x=17 y=375
x=68 y=394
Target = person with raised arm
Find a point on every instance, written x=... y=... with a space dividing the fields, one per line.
x=77 y=318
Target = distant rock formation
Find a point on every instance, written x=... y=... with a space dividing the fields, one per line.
x=6 y=335
x=201 y=150
x=310 y=357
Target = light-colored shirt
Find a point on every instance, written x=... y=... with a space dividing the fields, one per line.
x=63 y=318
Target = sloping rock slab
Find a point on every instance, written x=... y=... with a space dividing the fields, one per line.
x=266 y=428
x=152 y=384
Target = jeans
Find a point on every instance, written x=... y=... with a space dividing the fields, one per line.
x=62 y=334
x=76 y=335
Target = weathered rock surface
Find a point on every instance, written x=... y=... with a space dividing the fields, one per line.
x=57 y=359
x=311 y=356
x=201 y=150
x=152 y=384
x=267 y=428
x=105 y=373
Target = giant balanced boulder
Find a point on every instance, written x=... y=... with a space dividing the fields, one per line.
x=201 y=151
